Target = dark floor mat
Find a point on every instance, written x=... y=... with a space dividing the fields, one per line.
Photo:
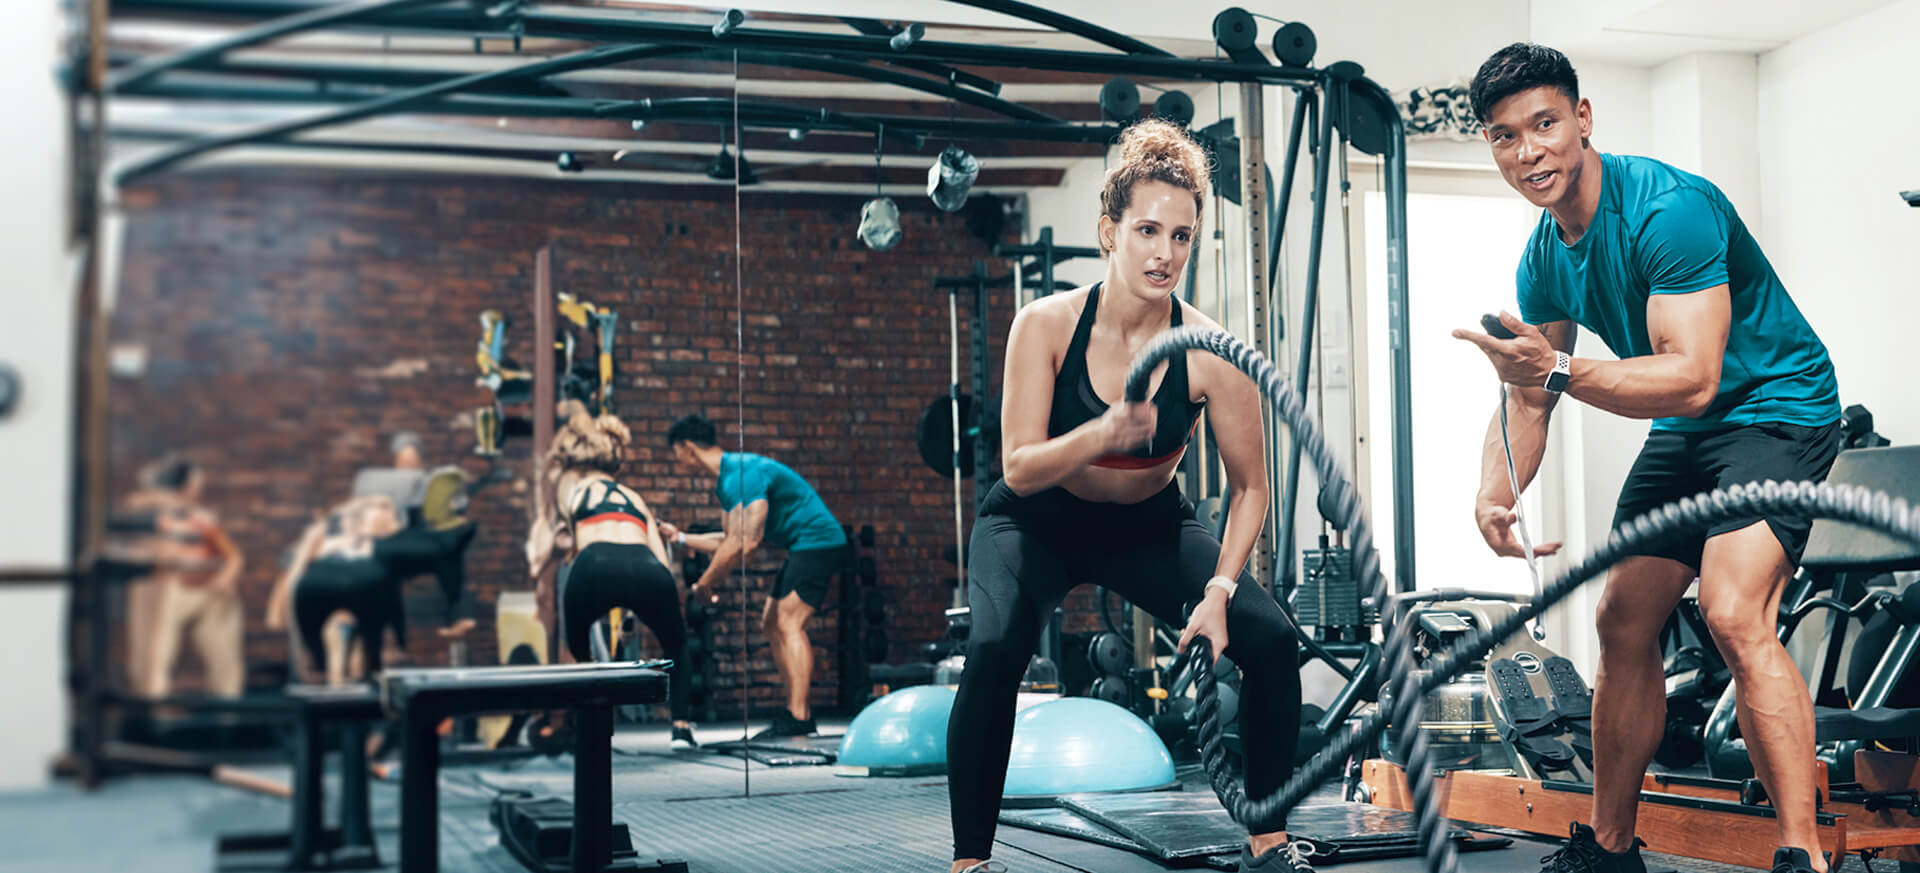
x=1066 y=823
x=783 y=752
x=1176 y=826
x=1024 y=850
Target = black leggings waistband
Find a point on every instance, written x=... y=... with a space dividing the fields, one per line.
x=1058 y=511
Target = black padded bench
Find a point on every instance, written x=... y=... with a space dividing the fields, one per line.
x=1832 y=724
x=421 y=698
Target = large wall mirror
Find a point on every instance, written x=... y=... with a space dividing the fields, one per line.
x=349 y=346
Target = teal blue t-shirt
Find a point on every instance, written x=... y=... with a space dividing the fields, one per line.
x=1660 y=230
x=796 y=516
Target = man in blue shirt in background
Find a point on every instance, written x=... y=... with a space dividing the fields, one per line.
x=766 y=502
x=1738 y=387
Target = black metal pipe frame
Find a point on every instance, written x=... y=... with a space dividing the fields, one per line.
x=923 y=84
x=544 y=157
x=768 y=116
x=333 y=14
x=1398 y=341
x=538 y=23
x=598 y=57
x=957 y=76
x=1067 y=24
x=776 y=115
x=1309 y=310
x=324 y=76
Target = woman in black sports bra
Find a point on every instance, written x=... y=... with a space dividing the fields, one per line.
x=617 y=557
x=337 y=567
x=1089 y=497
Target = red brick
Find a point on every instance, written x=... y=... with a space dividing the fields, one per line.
x=265 y=299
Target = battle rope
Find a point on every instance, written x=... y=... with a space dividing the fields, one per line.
x=1871 y=509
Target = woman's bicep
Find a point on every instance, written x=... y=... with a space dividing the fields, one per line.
x=1027 y=392
x=1233 y=414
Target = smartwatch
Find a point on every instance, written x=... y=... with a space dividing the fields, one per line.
x=1562 y=371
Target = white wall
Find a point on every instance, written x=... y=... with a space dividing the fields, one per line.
x=1704 y=122
x=36 y=334
x=1623 y=107
x=1838 y=141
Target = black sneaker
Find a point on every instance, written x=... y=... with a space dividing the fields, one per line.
x=1786 y=860
x=683 y=740
x=1582 y=854
x=785 y=725
x=1288 y=858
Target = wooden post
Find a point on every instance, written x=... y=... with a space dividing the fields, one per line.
x=548 y=599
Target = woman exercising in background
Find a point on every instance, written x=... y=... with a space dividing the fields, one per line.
x=617 y=558
x=336 y=568
x=1089 y=496
x=196 y=575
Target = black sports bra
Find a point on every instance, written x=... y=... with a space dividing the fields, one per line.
x=1075 y=403
x=607 y=509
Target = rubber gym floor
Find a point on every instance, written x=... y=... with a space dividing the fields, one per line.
x=686 y=805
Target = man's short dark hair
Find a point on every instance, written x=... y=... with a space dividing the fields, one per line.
x=694 y=429
x=1521 y=67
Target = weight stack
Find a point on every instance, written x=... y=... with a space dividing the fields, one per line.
x=1328 y=595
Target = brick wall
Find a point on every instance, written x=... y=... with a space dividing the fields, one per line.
x=293 y=321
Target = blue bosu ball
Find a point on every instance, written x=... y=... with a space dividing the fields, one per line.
x=905 y=732
x=1080 y=744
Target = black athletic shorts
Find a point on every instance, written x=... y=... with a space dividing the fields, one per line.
x=810 y=572
x=1674 y=465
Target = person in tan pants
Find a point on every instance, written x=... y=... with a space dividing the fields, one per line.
x=194 y=587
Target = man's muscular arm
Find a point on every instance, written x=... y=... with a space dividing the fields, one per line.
x=1688 y=333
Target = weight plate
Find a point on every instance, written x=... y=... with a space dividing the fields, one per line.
x=1109 y=653
x=1111 y=689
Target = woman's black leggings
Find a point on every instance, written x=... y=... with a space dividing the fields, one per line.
x=418 y=551
x=361 y=586
x=608 y=575
x=1026 y=554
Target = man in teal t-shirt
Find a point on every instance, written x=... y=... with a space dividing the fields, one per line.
x=1738 y=388
x=766 y=502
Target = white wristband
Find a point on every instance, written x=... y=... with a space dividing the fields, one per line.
x=680 y=536
x=1224 y=584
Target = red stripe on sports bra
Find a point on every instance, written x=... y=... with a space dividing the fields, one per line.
x=1130 y=462
x=612 y=516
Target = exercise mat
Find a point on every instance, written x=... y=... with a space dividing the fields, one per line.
x=1189 y=825
x=1067 y=823
x=783 y=752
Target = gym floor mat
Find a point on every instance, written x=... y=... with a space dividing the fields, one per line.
x=1189 y=825
x=783 y=752
x=1066 y=823
x=1022 y=849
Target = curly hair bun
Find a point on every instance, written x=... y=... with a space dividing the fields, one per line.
x=1158 y=140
